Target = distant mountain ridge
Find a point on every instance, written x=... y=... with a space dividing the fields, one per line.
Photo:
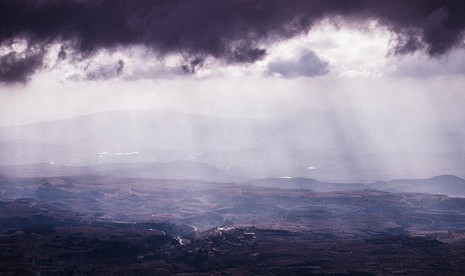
x=305 y=146
x=128 y=130
x=450 y=185
x=306 y=183
x=442 y=184
x=172 y=170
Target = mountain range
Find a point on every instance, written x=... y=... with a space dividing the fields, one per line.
x=188 y=170
x=319 y=145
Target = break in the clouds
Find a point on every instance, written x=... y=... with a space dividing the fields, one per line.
x=231 y=32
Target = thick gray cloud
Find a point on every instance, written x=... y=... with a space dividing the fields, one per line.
x=452 y=64
x=100 y=72
x=232 y=31
x=304 y=64
x=16 y=67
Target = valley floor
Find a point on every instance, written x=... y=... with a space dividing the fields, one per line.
x=126 y=226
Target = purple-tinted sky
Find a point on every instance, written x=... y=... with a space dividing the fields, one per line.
x=230 y=32
x=390 y=71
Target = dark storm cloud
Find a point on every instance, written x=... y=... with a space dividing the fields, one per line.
x=16 y=67
x=192 y=65
x=96 y=72
x=233 y=31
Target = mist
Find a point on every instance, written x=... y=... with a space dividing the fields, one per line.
x=367 y=130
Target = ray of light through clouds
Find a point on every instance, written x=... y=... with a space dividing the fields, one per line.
x=345 y=99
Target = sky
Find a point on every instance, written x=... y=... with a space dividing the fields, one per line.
x=385 y=64
x=231 y=58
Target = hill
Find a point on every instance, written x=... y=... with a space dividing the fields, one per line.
x=444 y=184
x=172 y=170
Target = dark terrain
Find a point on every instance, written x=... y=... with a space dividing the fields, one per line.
x=105 y=224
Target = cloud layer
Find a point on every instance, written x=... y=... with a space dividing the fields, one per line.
x=303 y=64
x=233 y=32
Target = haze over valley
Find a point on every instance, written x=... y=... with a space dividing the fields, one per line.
x=248 y=148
